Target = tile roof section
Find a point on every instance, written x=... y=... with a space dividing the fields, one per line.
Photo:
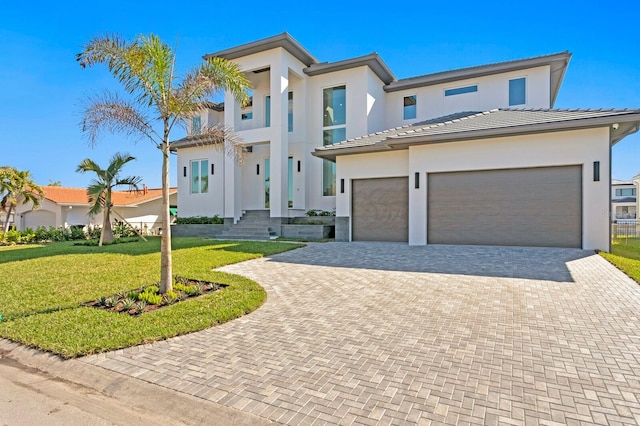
x=498 y=122
x=283 y=40
x=77 y=196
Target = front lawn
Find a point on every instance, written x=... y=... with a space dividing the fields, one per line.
x=42 y=289
x=625 y=255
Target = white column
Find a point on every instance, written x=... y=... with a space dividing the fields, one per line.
x=232 y=177
x=279 y=146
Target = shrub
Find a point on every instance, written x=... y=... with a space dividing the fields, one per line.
x=150 y=298
x=316 y=212
x=42 y=234
x=200 y=220
x=76 y=233
x=12 y=237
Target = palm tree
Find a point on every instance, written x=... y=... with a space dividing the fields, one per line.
x=17 y=186
x=146 y=69
x=100 y=188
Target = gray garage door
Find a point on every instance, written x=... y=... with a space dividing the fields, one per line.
x=539 y=207
x=380 y=209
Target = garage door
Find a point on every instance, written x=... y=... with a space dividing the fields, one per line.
x=380 y=209
x=35 y=218
x=540 y=207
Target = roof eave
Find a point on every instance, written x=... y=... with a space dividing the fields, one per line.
x=283 y=40
x=372 y=60
x=481 y=71
x=397 y=142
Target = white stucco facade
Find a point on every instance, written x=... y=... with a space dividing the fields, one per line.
x=284 y=82
x=292 y=97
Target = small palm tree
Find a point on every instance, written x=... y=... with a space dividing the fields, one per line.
x=146 y=69
x=17 y=186
x=100 y=189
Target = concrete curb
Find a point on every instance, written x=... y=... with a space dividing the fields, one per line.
x=162 y=405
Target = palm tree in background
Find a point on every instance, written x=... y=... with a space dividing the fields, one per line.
x=100 y=188
x=155 y=95
x=16 y=186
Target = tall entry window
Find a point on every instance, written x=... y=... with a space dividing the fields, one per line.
x=334 y=129
x=267 y=182
x=199 y=176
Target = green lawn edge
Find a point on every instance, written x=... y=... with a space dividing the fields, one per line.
x=625 y=255
x=71 y=330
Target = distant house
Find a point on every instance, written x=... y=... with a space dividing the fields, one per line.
x=69 y=207
x=623 y=199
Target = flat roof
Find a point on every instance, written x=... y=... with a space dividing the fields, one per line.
x=283 y=40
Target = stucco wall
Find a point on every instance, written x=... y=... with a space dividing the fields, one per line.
x=580 y=147
x=493 y=92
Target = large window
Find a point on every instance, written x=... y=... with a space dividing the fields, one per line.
x=461 y=90
x=334 y=130
x=196 y=125
x=517 y=91
x=199 y=177
x=625 y=192
x=247 y=110
x=409 y=107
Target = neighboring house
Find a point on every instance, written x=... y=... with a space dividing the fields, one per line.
x=67 y=207
x=469 y=156
x=623 y=199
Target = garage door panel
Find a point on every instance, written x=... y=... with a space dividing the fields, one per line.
x=380 y=209
x=521 y=207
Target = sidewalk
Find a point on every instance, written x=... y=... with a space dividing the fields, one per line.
x=38 y=387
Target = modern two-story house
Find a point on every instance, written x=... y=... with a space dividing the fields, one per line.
x=468 y=156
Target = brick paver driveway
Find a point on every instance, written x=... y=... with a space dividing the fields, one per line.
x=391 y=334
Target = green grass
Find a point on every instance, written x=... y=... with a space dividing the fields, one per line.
x=42 y=288
x=625 y=255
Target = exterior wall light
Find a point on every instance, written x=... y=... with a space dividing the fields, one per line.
x=596 y=171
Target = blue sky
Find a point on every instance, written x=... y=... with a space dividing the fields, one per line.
x=43 y=87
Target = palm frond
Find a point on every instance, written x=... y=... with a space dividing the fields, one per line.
x=111 y=113
x=223 y=138
x=132 y=63
x=208 y=79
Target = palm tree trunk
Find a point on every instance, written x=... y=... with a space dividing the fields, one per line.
x=6 y=222
x=106 y=236
x=166 y=267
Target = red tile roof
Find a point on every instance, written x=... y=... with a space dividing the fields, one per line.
x=62 y=195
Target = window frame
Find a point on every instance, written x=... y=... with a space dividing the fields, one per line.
x=525 y=91
x=461 y=90
x=196 y=130
x=332 y=127
x=203 y=176
x=415 y=107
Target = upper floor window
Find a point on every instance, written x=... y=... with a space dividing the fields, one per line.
x=518 y=91
x=625 y=192
x=461 y=90
x=267 y=111
x=409 y=107
x=247 y=110
x=196 y=125
x=199 y=176
x=290 y=112
x=334 y=129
